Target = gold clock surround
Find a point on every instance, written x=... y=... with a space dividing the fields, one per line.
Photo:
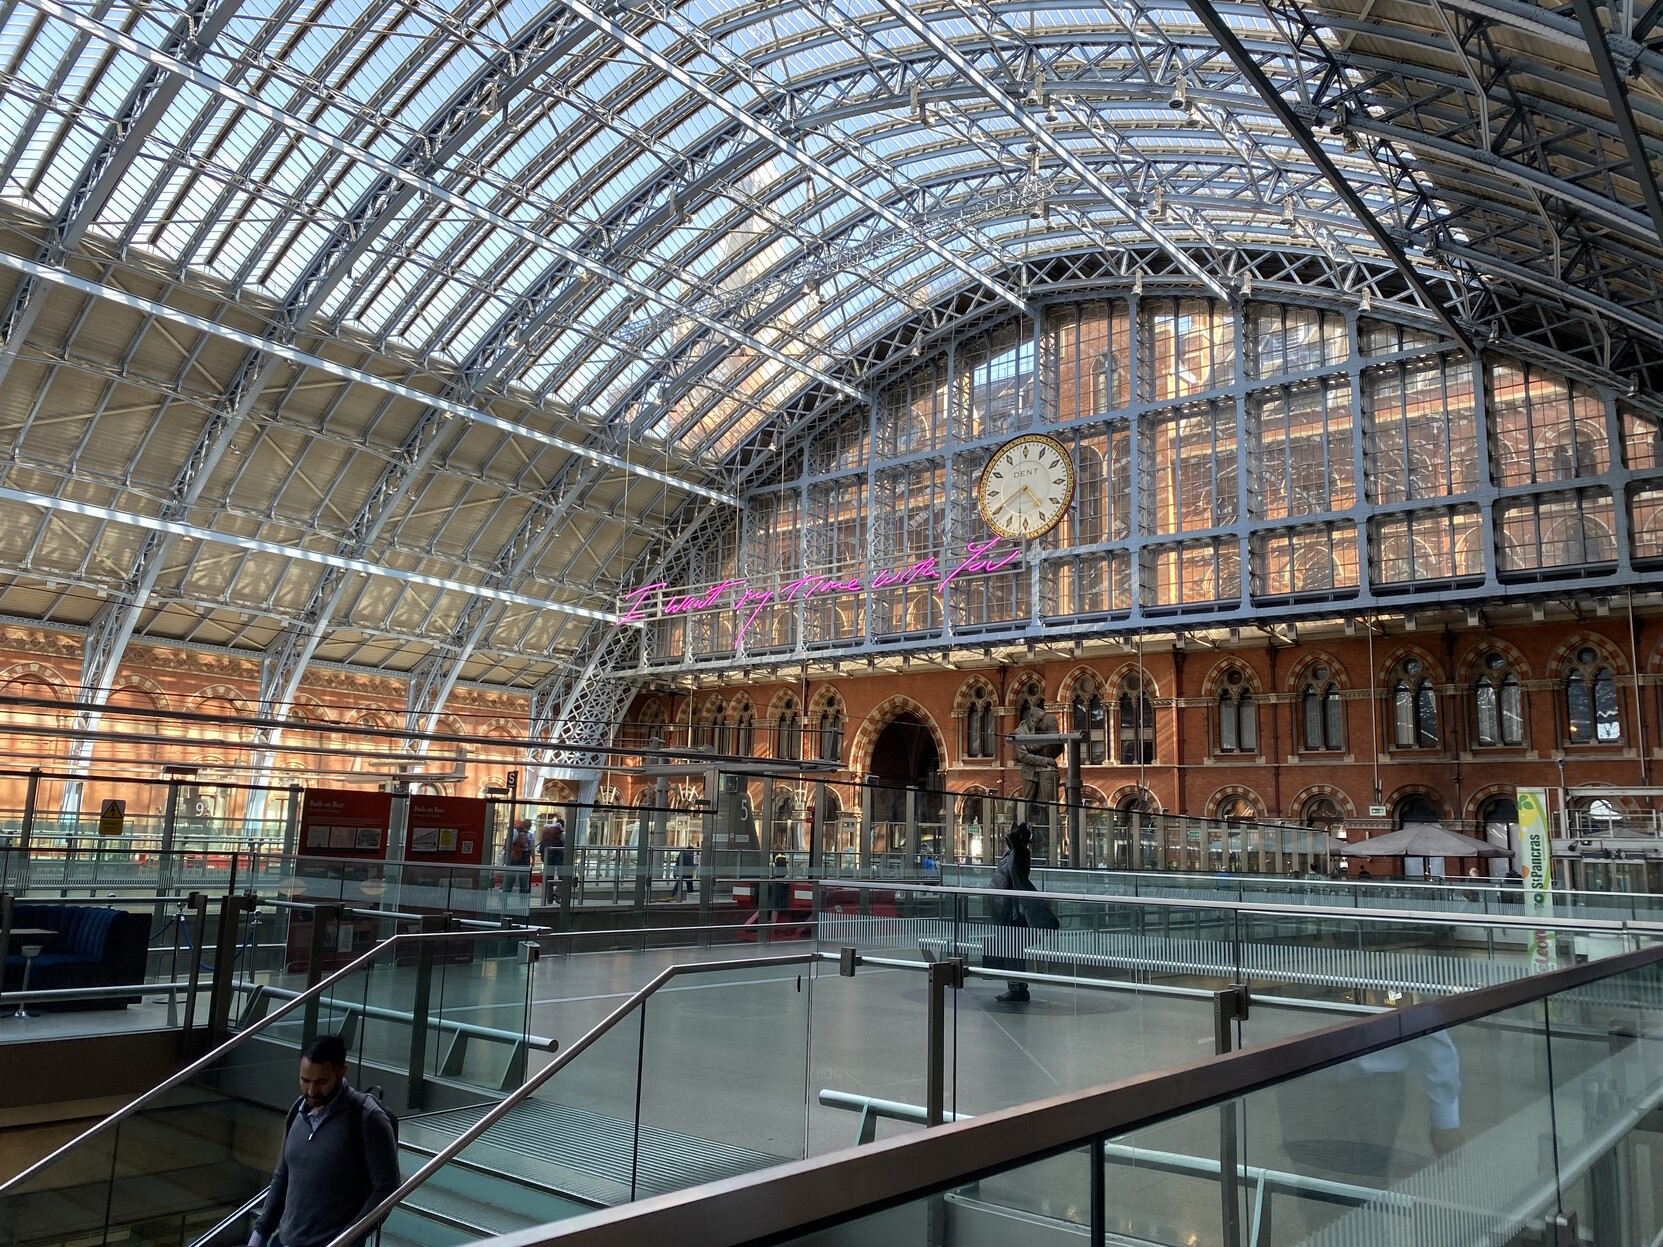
x=1026 y=487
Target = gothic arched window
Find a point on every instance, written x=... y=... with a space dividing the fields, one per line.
x=788 y=743
x=1414 y=707
x=1134 y=723
x=1088 y=716
x=1498 y=702
x=744 y=731
x=1320 y=712
x=979 y=724
x=831 y=731
x=1238 y=716
x=1591 y=714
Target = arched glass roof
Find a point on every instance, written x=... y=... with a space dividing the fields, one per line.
x=408 y=335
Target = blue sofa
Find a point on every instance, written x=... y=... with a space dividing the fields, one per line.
x=93 y=946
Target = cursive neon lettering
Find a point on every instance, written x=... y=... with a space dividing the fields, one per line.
x=981 y=558
x=634 y=612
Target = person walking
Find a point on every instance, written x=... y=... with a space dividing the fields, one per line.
x=339 y=1157
x=551 y=850
x=685 y=866
x=516 y=857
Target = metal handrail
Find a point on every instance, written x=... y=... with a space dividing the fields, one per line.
x=243 y=1036
x=1435 y=917
x=382 y=1014
x=776 y=1205
x=231 y=1218
x=444 y=1156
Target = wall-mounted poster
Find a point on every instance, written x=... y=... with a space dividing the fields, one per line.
x=337 y=822
x=446 y=829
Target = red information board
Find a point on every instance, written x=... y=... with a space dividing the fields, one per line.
x=337 y=822
x=448 y=830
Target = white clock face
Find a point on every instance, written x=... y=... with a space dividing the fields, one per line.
x=1027 y=486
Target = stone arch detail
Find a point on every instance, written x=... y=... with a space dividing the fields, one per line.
x=961 y=699
x=1020 y=679
x=1609 y=651
x=1214 y=683
x=1397 y=795
x=1215 y=803
x=148 y=687
x=1301 y=671
x=823 y=695
x=1071 y=681
x=1478 y=799
x=46 y=675
x=223 y=691
x=1434 y=667
x=1130 y=790
x=1467 y=667
x=1302 y=798
x=880 y=716
x=1116 y=677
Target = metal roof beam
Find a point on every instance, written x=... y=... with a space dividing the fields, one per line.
x=1273 y=99
x=392 y=168
x=202 y=324
x=1042 y=137
x=787 y=147
x=1616 y=94
x=192 y=35
x=196 y=532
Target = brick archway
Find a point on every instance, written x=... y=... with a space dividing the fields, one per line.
x=880 y=717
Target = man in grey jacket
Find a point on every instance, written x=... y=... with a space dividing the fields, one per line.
x=339 y=1158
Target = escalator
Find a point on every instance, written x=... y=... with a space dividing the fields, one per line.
x=184 y=1165
x=181 y=1163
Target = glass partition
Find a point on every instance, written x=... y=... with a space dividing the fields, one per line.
x=430 y=1021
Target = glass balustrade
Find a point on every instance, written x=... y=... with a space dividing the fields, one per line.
x=436 y=1021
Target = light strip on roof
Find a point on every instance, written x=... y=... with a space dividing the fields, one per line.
x=299 y=553
x=346 y=372
x=391 y=168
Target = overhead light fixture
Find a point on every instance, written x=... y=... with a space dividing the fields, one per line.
x=1366 y=303
x=1137 y=284
x=1157 y=206
x=915 y=350
x=1178 y=100
x=1336 y=124
x=1036 y=89
x=1288 y=211
x=1350 y=142
x=1633 y=386
x=1247 y=285
x=920 y=108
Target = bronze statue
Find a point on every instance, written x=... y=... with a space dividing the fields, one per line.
x=1037 y=797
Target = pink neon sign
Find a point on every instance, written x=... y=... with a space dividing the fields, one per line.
x=981 y=558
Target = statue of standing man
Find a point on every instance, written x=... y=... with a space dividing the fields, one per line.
x=1037 y=798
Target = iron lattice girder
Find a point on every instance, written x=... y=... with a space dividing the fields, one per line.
x=517 y=556
x=787 y=146
x=146 y=104
x=393 y=169
x=1575 y=154
x=1573 y=163
x=585 y=707
x=987 y=195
